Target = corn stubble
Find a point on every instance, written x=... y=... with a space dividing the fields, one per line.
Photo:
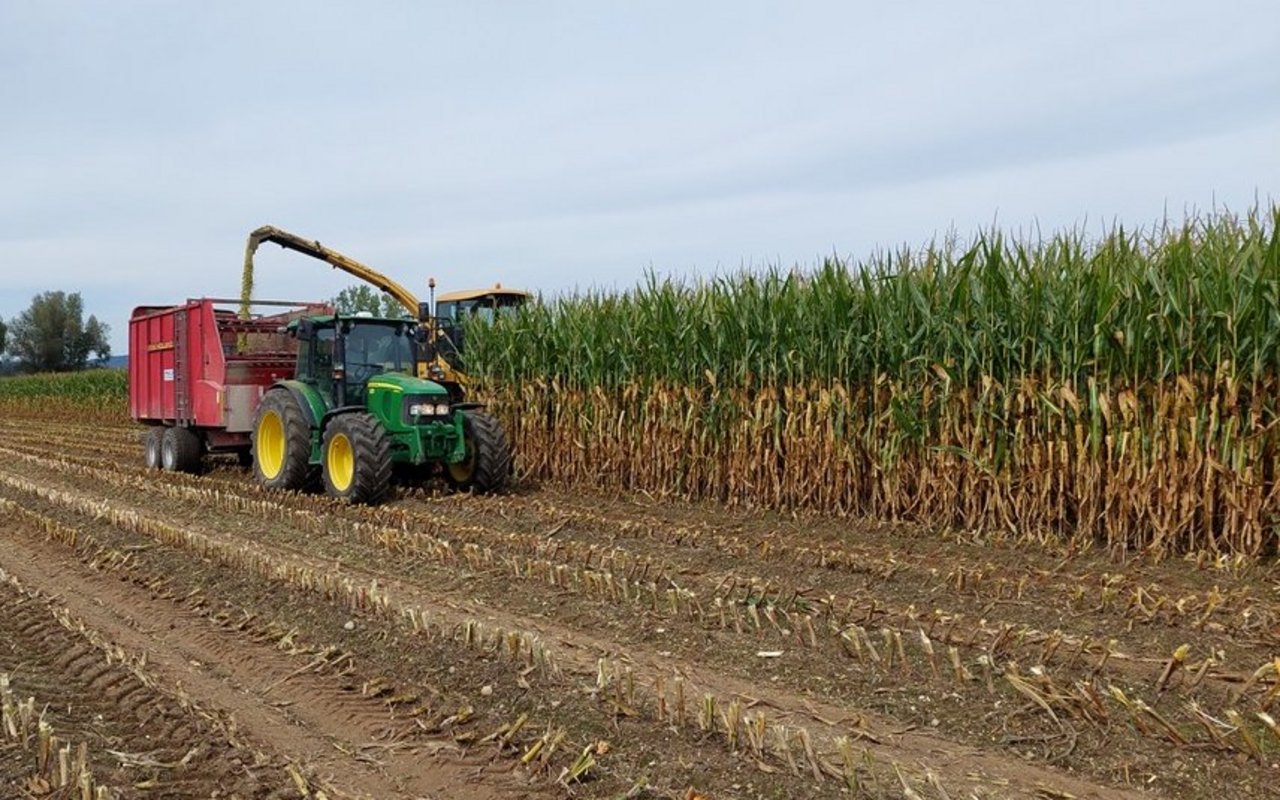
x=58 y=766
x=1120 y=391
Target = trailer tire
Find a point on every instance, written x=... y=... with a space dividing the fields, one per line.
x=151 y=447
x=489 y=462
x=179 y=450
x=357 y=459
x=281 y=443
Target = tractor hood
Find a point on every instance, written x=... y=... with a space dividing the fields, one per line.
x=404 y=384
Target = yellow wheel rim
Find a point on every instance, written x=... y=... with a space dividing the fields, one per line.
x=462 y=471
x=340 y=462
x=270 y=445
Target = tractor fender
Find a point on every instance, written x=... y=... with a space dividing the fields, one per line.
x=467 y=406
x=337 y=412
x=308 y=399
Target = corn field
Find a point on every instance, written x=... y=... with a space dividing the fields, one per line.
x=100 y=392
x=1120 y=391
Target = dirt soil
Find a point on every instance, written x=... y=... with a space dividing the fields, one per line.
x=203 y=638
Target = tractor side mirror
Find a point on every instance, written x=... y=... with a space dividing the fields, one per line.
x=424 y=311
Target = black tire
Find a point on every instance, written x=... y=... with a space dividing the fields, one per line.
x=287 y=451
x=357 y=459
x=489 y=463
x=151 y=447
x=180 y=450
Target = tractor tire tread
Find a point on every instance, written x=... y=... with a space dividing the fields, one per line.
x=297 y=473
x=151 y=443
x=371 y=446
x=494 y=460
x=183 y=444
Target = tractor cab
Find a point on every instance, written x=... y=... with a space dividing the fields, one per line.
x=340 y=355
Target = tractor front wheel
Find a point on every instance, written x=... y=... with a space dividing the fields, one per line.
x=357 y=459
x=487 y=466
x=281 y=443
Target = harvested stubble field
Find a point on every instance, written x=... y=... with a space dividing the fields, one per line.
x=195 y=636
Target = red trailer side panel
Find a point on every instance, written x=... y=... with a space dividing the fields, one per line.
x=151 y=363
x=206 y=367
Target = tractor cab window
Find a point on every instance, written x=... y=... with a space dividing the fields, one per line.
x=315 y=362
x=486 y=308
x=372 y=349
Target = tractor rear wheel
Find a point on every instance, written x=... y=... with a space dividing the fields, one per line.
x=487 y=466
x=151 y=447
x=281 y=442
x=179 y=450
x=357 y=459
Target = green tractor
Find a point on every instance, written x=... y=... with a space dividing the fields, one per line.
x=353 y=411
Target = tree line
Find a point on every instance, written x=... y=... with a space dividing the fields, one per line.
x=52 y=335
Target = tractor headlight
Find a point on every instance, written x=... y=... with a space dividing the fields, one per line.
x=425 y=408
x=429 y=410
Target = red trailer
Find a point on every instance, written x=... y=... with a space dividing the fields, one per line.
x=198 y=370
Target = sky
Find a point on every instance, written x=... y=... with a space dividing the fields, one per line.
x=559 y=145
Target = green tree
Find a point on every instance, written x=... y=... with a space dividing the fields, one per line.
x=53 y=336
x=4 y=331
x=363 y=297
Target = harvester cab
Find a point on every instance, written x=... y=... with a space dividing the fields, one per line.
x=445 y=320
x=355 y=408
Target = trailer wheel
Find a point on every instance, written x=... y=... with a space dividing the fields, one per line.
x=179 y=450
x=281 y=442
x=151 y=447
x=357 y=459
x=488 y=464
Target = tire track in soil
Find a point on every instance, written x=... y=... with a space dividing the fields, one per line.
x=305 y=717
x=578 y=651
x=164 y=747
